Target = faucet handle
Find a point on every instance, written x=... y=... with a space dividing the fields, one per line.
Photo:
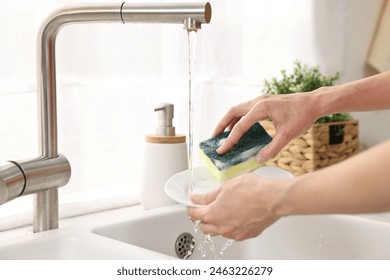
x=12 y=181
x=165 y=114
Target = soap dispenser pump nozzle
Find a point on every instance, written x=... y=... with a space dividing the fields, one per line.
x=165 y=114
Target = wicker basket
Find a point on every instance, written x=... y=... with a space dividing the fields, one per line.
x=321 y=146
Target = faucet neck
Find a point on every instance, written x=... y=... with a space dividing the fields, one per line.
x=46 y=64
x=192 y=15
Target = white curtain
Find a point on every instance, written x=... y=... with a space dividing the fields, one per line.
x=110 y=77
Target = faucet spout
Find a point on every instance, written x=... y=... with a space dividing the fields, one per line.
x=192 y=15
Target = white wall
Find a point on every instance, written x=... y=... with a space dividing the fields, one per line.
x=361 y=22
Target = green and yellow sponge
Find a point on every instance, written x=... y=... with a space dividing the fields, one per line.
x=240 y=159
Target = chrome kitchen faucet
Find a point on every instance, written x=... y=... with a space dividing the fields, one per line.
x=43 y=175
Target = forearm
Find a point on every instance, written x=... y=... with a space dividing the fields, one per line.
x=372 y=93
x=358 y=185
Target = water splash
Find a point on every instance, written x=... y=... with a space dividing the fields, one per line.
x=208 y=244
x=227 y=244
x=190 y=250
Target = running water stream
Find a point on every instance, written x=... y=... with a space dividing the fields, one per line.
x=191 y=62
x=208 y=240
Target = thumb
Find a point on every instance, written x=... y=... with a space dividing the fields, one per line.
x=206 y=198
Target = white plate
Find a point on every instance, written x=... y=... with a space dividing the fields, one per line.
x=177 y=186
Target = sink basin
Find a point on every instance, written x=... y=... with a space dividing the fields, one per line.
x=70 y=245
x=133 y=233
x=299 y=237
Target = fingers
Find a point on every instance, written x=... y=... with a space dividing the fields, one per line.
x=222 y=125
x=237 y=132
x=209 y=219
x=239 y=127
x=209 y=229
x=232 y=117
x=230 y=232
x=279 y=141
x=205 y=198
x=197 y=214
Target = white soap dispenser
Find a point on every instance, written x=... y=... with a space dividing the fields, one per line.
x=165 y=154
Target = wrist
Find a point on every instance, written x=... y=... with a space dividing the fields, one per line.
x=316 y=103
x=281 y=208
x=293 y=196
x=330 y=100
x=281 y=203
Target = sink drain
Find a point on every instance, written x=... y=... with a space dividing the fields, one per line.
x=185 y=245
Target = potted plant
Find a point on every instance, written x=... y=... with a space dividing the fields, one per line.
x=331 y=139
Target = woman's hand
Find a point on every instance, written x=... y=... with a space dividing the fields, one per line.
x=241 y=208
x=291 y=115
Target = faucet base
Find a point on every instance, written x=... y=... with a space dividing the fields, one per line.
x=45 y=215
